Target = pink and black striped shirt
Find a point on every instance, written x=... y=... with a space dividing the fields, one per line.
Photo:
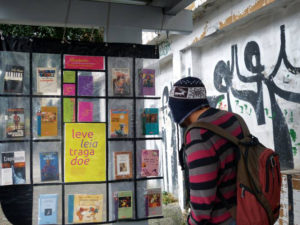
x=211 y=166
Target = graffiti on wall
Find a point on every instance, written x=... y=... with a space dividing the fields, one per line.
x=223 y=75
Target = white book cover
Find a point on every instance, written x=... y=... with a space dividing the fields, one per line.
x=6 y=176
x=46 y=80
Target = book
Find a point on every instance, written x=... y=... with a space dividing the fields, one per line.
x=85 y=85
x=85 y=111
x=119 y=123
x=85 y=152
x=39 y=122
x=13 y=79
x=121 y=81
x=125 y=205
x=149 y=163
x=48 y=209
x=46 y=80
x=69 y=89
x=69 y=109
x=49 y=121
x=153 y=200
x=13 y=168
x=15 y=126
x=84 y=208
x=123 y=165
x=49 y=166
x=69 y=76
x=147 y=81
x=150 y=121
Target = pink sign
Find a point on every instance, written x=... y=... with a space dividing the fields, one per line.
x=84 y=62
x=85 y=113
x=69 y=89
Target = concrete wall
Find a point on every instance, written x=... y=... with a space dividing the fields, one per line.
x=248 y=55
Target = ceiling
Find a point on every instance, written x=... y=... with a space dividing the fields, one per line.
x=118 y=16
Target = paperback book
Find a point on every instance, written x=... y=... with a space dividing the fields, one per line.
x=153 y=200
x=15 y=126
x=85 y=85
x=48 y=209
x=13 y=168
x=147 y=81
x=125 y=205
x=121 y=81
x=85 y=111
x=84 y=208
x=119 y=123
x=69 y=109
x=49 y=166
x=48 y=121
x=46 y=80
x=13 y=79
x=150 y=163
x=150 y=121
x=123 y=165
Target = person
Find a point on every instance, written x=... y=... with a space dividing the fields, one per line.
x=210 y=161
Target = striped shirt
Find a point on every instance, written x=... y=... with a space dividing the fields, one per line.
x=211 y=165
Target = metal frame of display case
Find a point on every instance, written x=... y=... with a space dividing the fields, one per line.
x=90 y=49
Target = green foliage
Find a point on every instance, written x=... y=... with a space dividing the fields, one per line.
x=45 y=32
x=168 y=198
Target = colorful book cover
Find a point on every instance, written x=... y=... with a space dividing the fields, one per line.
x=85 y=111
x=48 y=209
x=85 y=208
x=85 y=85
x=13 y=79
x=84 y=62
x=150 y=163
x=69 y=89
x=49 y=121
x=123 y=165
x=49 y=166
x=147 y=82
x=121 y=81
x=13 y=163
x=69 y=110
x=119 y=123
x=125 y=205
x=46 y=80
x=153 y=202
x=85 y=152
x=150 y=121
x=15 y=126
x=69 y=77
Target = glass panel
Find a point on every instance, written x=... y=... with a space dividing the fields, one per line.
x=120 y=76
x=46 y=70
x=14 y=73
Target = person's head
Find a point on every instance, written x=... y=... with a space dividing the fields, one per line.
x=187 y=96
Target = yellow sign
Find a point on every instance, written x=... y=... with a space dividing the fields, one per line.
x=85 y=152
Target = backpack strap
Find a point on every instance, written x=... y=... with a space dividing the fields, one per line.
x=215 y=129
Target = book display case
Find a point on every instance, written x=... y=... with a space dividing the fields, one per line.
x=77 y=110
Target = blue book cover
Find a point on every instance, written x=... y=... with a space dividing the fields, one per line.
x=48 y=209
x=70 y=208
x=150 y=121
x=49 y=166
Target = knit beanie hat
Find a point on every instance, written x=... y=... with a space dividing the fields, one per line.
x=186 y=96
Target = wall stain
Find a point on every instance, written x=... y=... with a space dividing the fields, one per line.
x=252 y=8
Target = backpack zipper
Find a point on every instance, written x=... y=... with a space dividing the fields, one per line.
x=244 y=188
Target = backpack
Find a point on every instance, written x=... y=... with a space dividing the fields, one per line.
x=258 y=177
